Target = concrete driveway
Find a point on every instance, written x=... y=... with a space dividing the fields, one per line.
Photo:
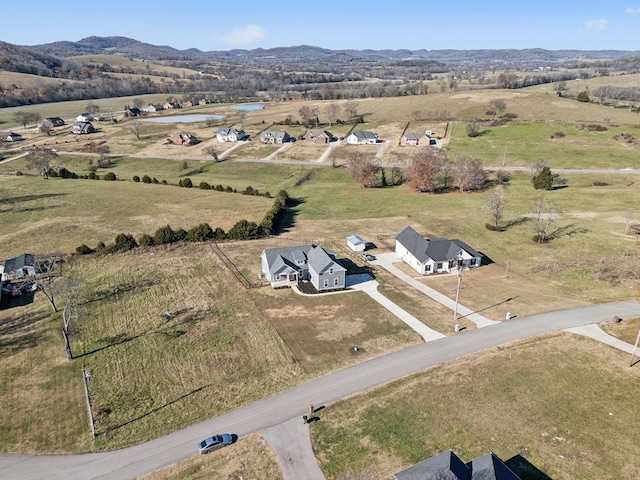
x=386 y=261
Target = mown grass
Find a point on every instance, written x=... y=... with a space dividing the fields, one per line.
x=57 y=215
x=152 y=373
x=563 y=403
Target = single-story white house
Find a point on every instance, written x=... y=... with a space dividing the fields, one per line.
x=362 y=137
x=10 y=137
x=18 y=267
x=230 y=135
x=288 y=266
x=435 y=255
x=356 y=243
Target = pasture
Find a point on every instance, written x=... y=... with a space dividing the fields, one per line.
x=251 y=343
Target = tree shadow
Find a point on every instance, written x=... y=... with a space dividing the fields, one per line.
x=19 y=333
x=288 y=218
x=566 y=231
x=515 y=223
x=525 y=469
x=157 y=409
x=29 y=198
x=170 y=331
x=119 y=289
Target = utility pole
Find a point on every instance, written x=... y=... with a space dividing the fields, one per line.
x=86 y=377
x=455 y=312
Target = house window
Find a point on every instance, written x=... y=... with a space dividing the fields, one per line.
x=428 y=269
x=331 y=271
x=439 y=266
x=335 y=282
x=326 y=282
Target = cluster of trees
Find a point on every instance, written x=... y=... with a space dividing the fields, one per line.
x=242 y=230
x=365 y=170
x=431 y=171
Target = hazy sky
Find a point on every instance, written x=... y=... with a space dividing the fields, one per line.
x=373 y=24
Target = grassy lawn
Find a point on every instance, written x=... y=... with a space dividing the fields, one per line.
x=250 y=457
x=562 y=402
x=72 y=212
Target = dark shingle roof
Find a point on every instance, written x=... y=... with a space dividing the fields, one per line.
x=16 y=263
x=437 y=249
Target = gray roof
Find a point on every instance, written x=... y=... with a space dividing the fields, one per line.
x=285 y=259
x=16 y=263
x=448 y=466
x=365 y=134
x=356 y=240
x=274 y=134
x=437 y=249
x=320 y=261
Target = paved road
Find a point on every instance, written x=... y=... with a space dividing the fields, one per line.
x=141 y=459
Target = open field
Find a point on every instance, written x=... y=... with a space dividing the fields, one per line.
x=565 y=404
x=252 y=343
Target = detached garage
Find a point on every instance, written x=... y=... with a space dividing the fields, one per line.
x=356 y=243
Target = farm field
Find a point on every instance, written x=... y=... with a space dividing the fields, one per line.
x=252 y=343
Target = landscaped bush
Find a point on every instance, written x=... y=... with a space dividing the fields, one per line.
x=244 y=230
x=164 y=235
x=154 y=180
x=125 y=242
x=84 y=249
x=146 y=240
x=146 y=179
x=204 y=186
x=136 y=178
x=185 y=183
x=200 y=233
x=110 y=177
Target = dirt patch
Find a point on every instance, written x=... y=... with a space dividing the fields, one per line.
x=339 y=329
x=300 y=311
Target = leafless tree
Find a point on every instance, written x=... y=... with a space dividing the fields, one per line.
x=497 y=106
x=495 y=208
x=241 y=116
x=40 y=159
x=138 y=102
x=544 y=216
x=71 y=290
x=45 y=274
x=136 y=127
x=21 y=117
x=46 y=127
x=468 y=174
x=305 y=114
x=102 y=150
x=363 y=169
x=332 y=110
x=422 y=174
x=537 y=166
x=350 y=108
x=92 y=107
x=211 y=151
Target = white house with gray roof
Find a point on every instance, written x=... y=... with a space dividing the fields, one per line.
x=274 y=136
x=435 y=255
x=448 y=466
x=230 y=135
x=288 y=266
x=362 y=137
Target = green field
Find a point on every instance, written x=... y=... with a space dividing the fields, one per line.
x=151 y=374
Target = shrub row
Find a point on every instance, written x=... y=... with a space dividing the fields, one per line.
x=242 y=230
x=65 y=173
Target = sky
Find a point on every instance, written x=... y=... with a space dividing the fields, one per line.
x=348 y=24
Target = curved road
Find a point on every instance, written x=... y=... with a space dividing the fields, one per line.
x=135 y=461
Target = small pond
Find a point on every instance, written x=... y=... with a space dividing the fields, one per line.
x=193 y=117
x=248 y=107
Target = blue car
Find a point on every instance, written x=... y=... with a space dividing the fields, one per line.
x=214 y=443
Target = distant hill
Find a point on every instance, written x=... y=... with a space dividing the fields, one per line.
x=131 y=47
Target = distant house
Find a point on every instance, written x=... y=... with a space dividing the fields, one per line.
x=415 y=139
x=81 y=128
x=230 y=135
x=362 y=137
x=188 y=103
x=84 y=117
x=171 y=105
x=436 y=255
x=10 y=137
x=448 y=466
x=18 y=267
x=204 y=101
x=356 y=243
x=182 y=139
x=274 y=136
x=288 y=266
x=153 y=107
x=55 y=121
x=130 y=112
x=319 y=136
